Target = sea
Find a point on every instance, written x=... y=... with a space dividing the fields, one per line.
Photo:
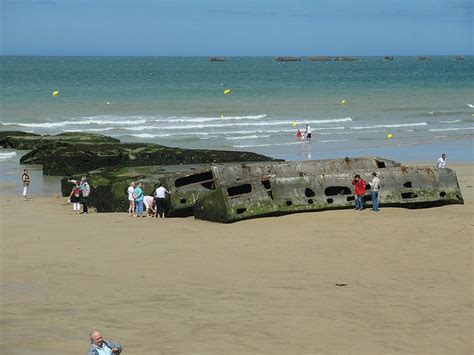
x=406 y=109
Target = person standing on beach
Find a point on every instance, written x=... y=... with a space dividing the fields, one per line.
x=86 y=191
x=374 y=192
x=160 y=201
x=75 y=197
x=359 y=191
x=100 y=346
x=138 y=198
x=25 y=178
x=442 y=162
x=131 y=200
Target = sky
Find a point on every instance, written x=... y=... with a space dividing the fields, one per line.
x=236 y=27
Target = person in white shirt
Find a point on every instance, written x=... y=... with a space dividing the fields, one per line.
x=131 y=200
x=307 y=132
x=374 y=191
x=160 y=201
x=442 y=162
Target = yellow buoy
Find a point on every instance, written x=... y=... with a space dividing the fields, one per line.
x=389 y=136
x=108 y=102
x=294 y=124
x=227 y=91
x=55 y=93
x=222 y=116
x=343 y=101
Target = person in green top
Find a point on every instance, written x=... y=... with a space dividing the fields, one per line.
x=138 y=197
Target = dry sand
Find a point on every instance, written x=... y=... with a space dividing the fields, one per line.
x=183 y=286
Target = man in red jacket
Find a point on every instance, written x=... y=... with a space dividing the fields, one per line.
x=359 y=191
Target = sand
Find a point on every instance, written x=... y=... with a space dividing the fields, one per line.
x=264 y=286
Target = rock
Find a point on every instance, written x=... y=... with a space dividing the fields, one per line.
x=27 y=141
x=73 y=158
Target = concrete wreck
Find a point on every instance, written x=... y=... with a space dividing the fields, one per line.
x=189 y=187
x=231 y=192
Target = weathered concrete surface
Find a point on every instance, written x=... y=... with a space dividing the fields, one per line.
x=288 y=59
x=27 y=141
x=62 y=158
x=400 y=186
x=345 y=59
x=188 y=187
x=319 y=59
x=188 y=184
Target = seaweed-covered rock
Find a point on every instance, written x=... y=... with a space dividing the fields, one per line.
x=27 y=141
x=72 y=158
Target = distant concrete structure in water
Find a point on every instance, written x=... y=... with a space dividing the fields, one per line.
x=424 y=57
x=345 y=59
x=322 y=58
x=458 y=57
x=388 y=58
x=218 y=59
x=288 y=59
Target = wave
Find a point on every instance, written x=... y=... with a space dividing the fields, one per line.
x=89 y=129
x=74 y=123
x=450 y=129
x=247 y=137
x=143 y=135
x=207 y=119
x=444 y=113
x=7 y=155
x=391 y=125
x=453 y=121
x=470 y=105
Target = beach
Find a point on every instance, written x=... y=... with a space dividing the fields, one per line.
x=395 y=282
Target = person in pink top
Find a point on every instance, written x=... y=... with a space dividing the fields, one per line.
x=149 y=202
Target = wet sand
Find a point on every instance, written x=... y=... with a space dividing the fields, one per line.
x=334 y=282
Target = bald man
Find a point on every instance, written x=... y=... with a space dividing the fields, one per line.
x=101 y=346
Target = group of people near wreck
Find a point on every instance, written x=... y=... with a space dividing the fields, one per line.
x=360 y=186
x=138 y=202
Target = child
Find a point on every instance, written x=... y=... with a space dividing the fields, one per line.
x=75 y=197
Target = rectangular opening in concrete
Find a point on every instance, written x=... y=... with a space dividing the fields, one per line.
x=193 y=179
x=337 y=190
x=380 y=164
x=239 y=190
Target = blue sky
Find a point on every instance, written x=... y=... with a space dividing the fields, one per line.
x=236 y=27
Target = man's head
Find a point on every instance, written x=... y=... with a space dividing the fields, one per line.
x=374 y=174
x=357 y=176
x=25 y=171
x=443 y=156
x=83 y=179
x=96 y=338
